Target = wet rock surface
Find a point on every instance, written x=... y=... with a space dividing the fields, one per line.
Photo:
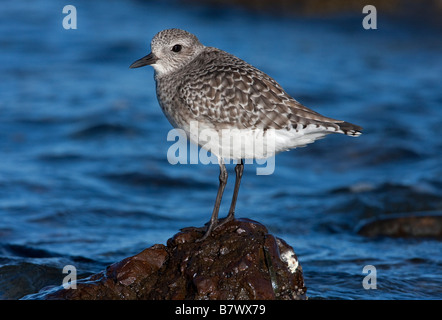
x=404 y=226
x=241 y=260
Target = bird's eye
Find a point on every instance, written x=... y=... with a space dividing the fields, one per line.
x=176 y=48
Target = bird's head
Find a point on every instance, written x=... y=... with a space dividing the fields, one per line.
x=172 y=49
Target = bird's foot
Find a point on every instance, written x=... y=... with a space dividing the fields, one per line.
x=215 y=225
x=222 y=222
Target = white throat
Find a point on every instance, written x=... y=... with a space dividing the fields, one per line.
x=161 y=70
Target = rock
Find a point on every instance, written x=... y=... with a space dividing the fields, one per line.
x=418 y=226
x=240 y=260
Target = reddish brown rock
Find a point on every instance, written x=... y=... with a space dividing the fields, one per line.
x=403 y=226
x=239 y=261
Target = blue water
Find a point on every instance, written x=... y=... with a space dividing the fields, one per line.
x=84 y=176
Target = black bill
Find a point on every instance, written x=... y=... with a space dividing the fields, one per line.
x=144 y=61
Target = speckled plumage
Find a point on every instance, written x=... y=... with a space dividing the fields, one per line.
x=223 y=89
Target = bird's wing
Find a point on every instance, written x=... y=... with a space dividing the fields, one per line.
x=239 y=95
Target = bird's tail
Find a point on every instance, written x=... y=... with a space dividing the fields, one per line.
x=350 y=129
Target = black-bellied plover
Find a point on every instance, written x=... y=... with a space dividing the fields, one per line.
x=225 y=95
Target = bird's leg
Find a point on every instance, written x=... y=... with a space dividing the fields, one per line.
x=239 y=170
x=222 y=185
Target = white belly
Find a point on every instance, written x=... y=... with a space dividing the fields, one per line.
x=239 y=144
